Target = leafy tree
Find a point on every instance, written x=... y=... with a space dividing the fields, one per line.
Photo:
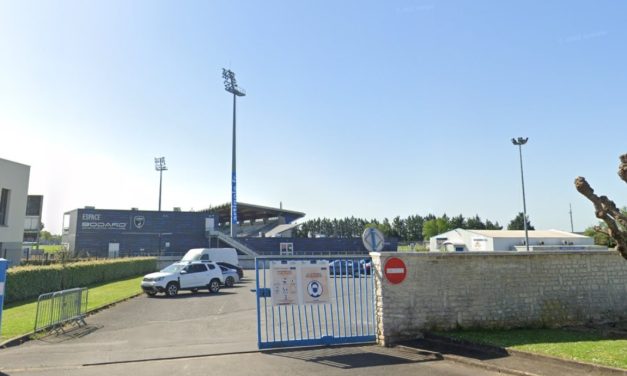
x=600 y=235
x=409 y=229
x=492 y=226
x=435 y=226
x=386 y=228
x=600 y=232
x=45 y=236
x=414 y=228
x=475 y=223
x=399 y=228
x=457 y=222
x=518 y=224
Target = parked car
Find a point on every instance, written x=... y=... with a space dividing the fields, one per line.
x=343 y=267
x=212 y=254
x=230 y=276
x=191 y=276
x=365 y=266
x=240 y=271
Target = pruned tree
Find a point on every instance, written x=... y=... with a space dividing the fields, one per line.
x=607 y=211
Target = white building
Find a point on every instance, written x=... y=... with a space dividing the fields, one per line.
x=13 y=192
x=460 y=240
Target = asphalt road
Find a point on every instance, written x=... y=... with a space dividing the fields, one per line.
x=198 y=335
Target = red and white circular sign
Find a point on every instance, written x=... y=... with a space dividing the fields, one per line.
x=395 y=270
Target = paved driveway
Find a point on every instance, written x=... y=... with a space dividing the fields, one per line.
x=198 y=335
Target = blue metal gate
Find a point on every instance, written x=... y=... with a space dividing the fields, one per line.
x=345 y=315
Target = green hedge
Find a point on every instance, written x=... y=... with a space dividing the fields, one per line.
x=25 y=282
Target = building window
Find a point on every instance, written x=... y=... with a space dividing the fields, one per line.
x=66 y=223
x=34 y=205
x=4 y=206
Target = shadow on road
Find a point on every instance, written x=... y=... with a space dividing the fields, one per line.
x=446 y=346
x=69 y=334
x=200 y=294
x=357 y=357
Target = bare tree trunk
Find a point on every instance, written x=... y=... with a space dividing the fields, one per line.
x=606 y=209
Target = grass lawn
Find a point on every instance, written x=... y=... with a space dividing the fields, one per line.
x=51 y=248
x=407 y=248
x=588 y=346
x=19 y=318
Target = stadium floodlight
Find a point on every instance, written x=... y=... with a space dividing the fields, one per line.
x=230 y=85
x=160 y=166
x=520 y=142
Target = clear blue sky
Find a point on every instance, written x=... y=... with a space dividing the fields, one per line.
x=364 y=108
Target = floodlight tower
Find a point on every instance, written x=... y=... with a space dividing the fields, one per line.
x=230 y=85
x=160 y=166
x=520 y=142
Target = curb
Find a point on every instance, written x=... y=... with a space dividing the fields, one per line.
x=474 y=363
x=524 y=354
x=15 y=341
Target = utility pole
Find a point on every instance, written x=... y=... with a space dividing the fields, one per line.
x=572 y=229
x=520 y=142
x=160 y=166
x=230 y=85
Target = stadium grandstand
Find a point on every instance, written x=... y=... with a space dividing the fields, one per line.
x=262 y=230
x=256 y=220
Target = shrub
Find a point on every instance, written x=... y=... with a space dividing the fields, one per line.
x=25 y=282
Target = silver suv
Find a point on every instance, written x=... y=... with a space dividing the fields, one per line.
x=191 y=276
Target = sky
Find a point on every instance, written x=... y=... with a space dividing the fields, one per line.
x=356 y=108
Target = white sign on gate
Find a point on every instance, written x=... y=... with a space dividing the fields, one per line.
x=315 y=283
x=300 y=282
x=284 y=283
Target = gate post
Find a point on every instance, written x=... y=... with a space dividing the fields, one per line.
x=3 y=271
x=377 y=274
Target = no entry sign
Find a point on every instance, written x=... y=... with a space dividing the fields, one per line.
x=395 y=270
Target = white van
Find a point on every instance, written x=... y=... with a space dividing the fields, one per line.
x=228 y=255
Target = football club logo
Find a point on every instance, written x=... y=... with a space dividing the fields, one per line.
x=139 y=221
x=314 y=289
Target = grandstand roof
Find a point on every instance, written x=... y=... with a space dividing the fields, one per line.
x=280 y=229
x=251 y=212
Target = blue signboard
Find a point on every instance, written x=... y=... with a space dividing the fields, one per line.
x=3 y=272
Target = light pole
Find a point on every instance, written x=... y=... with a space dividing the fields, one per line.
x=230 y=85
x=520 y=142
x=160 y=166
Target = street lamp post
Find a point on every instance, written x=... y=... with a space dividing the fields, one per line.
x=520 y=142
x=230 y=85
x=160 y=166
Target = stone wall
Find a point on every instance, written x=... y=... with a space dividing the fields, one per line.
x=499 y=290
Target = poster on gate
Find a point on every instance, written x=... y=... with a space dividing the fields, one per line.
x=284 y=283
x=315 y=283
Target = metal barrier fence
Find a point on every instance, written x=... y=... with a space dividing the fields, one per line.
x=55 y=309
x=317 y=301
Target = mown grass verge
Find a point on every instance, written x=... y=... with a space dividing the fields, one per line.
x=19 y=318
x=51 y=248
x=586 y=346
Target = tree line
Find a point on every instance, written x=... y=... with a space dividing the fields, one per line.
x=412 y=228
